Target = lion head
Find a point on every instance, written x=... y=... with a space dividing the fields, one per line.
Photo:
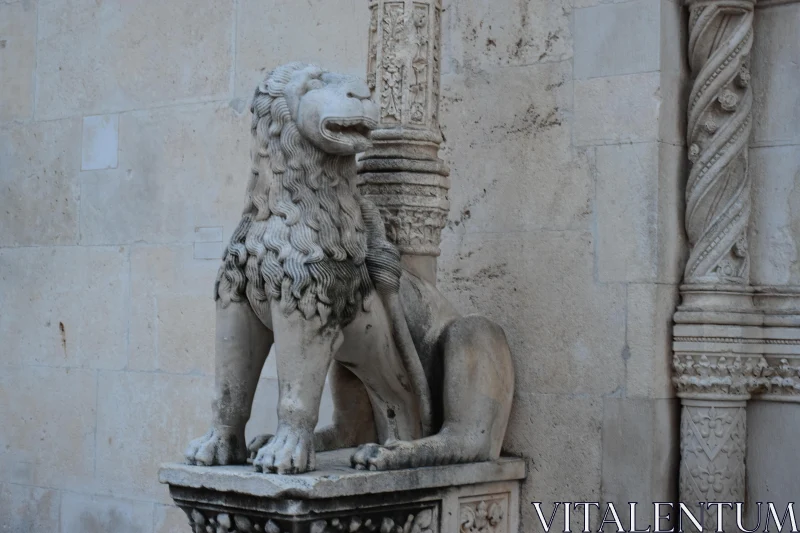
x=334 y=112
x=307 y=238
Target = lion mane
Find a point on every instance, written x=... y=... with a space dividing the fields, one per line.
x=307 y=238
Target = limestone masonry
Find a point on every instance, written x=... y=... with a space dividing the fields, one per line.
x=610 y=187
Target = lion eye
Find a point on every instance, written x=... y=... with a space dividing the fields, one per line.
x=314 y=84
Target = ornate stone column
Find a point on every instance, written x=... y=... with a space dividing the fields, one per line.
x=716 y=369
x=719 y=120
x=402 y=174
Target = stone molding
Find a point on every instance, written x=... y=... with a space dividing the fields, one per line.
x=734 y=344
x=402 y=173
x=718 y=128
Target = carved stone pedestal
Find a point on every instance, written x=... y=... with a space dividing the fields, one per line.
x=466 y=498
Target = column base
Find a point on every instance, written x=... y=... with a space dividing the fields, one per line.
x=462 y=498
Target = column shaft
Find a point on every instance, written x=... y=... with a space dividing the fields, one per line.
x=402 y=173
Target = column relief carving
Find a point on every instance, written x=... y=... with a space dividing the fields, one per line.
x=402 y=173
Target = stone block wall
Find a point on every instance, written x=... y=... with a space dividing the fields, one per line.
x=123 y=158
x=564 y=132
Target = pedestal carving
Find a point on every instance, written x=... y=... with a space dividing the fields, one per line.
x=467 y=498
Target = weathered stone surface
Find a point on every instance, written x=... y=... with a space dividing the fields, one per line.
x=617 y=109
x=648 y=340
x=518 y=116
x=639 y=229
x=28 y=509
x=776 y=100
x=66 y=414
x=39 y=180
x=100 y=145
x=500 y=274
x=131 y=56
x=17 y=59
x=192 y=159
x=185 y=333
x=125 y=400
x=627 y=212
x=635 y=431
x=771 y=477
x=560 y=436
x=672 y=169
x=775 y=230
x=70 y=306
x=478 y=35
x=160 y=277
x=98 y=514
x=288 y=37
x=335 y=477
x=604 y=34
x=169 y=519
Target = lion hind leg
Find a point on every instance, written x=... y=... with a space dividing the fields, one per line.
x=478 y=389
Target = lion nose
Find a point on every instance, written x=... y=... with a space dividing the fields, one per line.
x=359 y=90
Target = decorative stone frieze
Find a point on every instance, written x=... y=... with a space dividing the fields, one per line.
x=719 y=120
x=402 y=173
x=421 y=520
x=484 y=515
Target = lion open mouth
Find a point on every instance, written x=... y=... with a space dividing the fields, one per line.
x=348 y=128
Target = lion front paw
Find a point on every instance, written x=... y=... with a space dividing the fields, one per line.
x=258 y=442
x=290 y=451
x=217 y=447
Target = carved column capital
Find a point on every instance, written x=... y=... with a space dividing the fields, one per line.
x=402 y=173
x=726 y=377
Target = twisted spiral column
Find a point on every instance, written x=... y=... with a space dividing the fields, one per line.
x=719 y=121
x=715 y=380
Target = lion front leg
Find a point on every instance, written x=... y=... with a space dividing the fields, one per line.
x=304 y=349
x=242 y=345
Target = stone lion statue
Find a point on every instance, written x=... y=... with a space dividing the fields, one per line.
x=309 y=269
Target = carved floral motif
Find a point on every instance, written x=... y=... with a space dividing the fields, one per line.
x=419 y=64
x=423 y=521
x=391 y=66
x=718 y=374
x=783 y=379
x=719 y=118
x=372 y=55
x=482 y=517
x=712 y=455
x=414 y=229
x=435 y=68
